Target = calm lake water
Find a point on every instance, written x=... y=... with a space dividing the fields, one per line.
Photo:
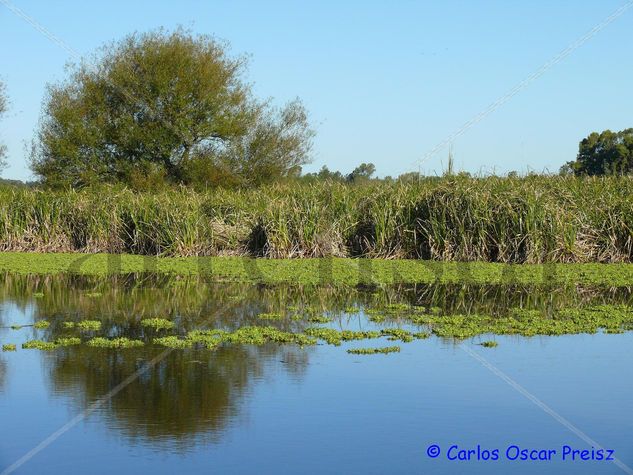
x=285 y=409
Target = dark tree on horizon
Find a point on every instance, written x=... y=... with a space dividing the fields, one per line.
x=605 y=153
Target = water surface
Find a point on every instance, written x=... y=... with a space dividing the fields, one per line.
x=286 y=409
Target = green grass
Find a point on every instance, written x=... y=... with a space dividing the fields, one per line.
x=533 y=219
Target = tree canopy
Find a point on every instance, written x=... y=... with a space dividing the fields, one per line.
x=364 y=171
x=159 y=107
x=605 y=153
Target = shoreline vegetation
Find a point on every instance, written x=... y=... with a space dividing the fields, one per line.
x=532 y=219
x=315 y=271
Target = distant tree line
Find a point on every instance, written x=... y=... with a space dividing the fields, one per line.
x=605 y=153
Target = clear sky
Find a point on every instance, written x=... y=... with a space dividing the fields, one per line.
x=384 y=81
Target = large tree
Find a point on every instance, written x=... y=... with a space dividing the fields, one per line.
x=606 y=153
x=3 y=109
x=165 y=106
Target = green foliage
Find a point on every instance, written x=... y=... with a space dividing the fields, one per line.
x=39 y=345
x=605 y=153
x=163 y=108
x=158 y=323
x=362 y=172
x=88 y=325
x=68 y=341
x=121 y=342
x=495 y=219
x=8 y=347
x=41 y=324
x=173 y=342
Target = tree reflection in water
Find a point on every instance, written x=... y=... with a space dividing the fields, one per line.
x=188 y=398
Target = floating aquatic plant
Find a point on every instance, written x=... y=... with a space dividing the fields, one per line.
x=158 y=323
x=121 y=342
x=39 y=345
x=319 y=319
x=173 y=342
x=397 y=334
x=16 y=327
x=525 y=322
x=41 y=324
x=89 y=325
x=377 y=318
x=8 y=347
x=68 y=341
x=373 y=351
x=489 y=344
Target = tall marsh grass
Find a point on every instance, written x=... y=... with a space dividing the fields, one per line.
x=531 y=219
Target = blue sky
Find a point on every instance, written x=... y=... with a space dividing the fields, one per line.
x=384 y=81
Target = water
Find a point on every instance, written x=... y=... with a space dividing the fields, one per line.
x=284 y=409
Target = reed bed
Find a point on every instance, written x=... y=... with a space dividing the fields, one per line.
x=530 y=219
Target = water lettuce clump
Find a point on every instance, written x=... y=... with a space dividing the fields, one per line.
x=8 y=347
x=158 y=323
x=89 y=325
x=173 y=342
x=121 y=342
x=526 y=322
x=397 y=334
x=68 y=341
x=40 y=325
x=39 y=345
x=262 y=335
x=373 y=351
